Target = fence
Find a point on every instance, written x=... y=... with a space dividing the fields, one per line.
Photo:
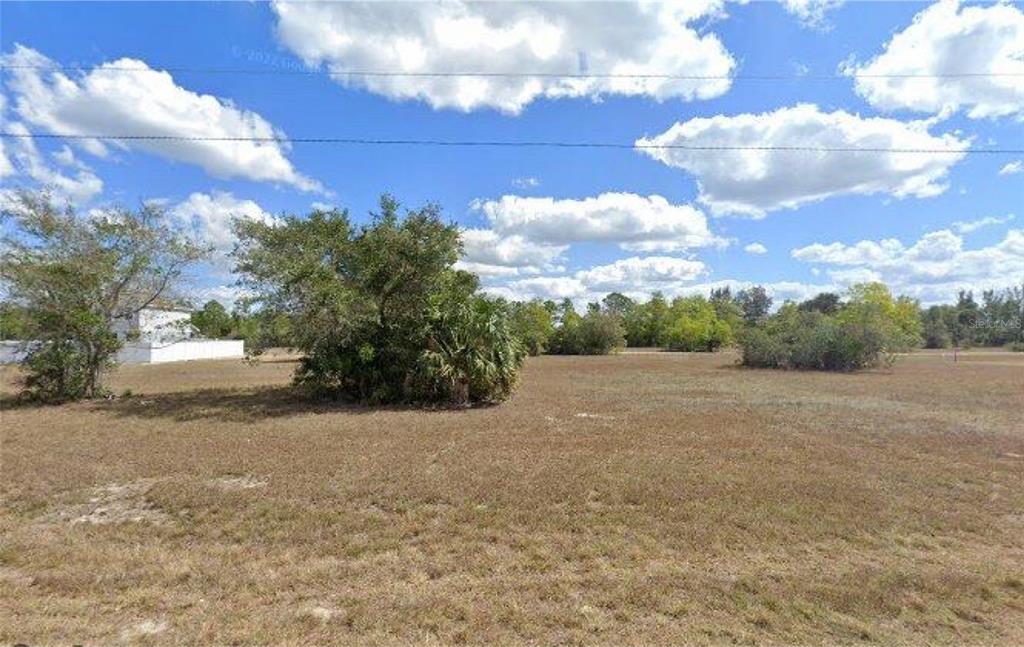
x=144 y=352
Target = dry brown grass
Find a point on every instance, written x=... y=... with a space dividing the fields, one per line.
x=656 y=498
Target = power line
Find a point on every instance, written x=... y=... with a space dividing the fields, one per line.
x=361 y=141
x=302 y=71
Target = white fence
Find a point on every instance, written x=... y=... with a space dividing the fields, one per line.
x=151 y=352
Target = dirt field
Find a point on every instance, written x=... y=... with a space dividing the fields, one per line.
x=640 y=498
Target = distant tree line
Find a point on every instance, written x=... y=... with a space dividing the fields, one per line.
x=997 y=321
x=828 y=332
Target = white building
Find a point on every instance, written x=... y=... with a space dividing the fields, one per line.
x=161 y=325
x=154 y=336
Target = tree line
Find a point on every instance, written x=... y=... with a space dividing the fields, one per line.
x=380 y=312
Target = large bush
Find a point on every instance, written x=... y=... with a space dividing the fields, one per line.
x=379 y=311
x=867 y=331
x=697 y=326
x=533 y=325
x=595 y=333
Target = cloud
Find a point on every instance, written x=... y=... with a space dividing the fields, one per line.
x=636 y=276
x=810 y=12
x=634 y=222
x=228 y=294
x=754 y=182
x=946 y=39
x=755 y=248
x=1012 y=168
x=77 y=187
x=525 y=182
x=621 y=38
x=966 y=227
x=148 y=102
x=932 y=269
x=209 y=217
x=489 y=253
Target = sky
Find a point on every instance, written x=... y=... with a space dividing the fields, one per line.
x=705 y=102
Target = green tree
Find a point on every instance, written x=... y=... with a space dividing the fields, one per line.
x=696 y=326
x=755 y=305
x=595 y=333
x=533 y=324
x=898 y=320
x=76 y=276
x=379 y=311
x=618 y=304
x=867 y=331
x=14 y=322
x=213 y=320
x=648 y=323
x=824 y=302
x=936 y=333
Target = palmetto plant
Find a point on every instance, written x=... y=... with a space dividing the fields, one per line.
x=472 y=354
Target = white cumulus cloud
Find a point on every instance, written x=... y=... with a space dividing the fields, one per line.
x=147 y=102
x=932 y=269
x=489 y=253
x=549 y=38
x=755 y=248
x=810 y=12
x=966 y=227
x=634 y=222
x=531 y=234
x=78 y=186
x=209 y=216
x=947 y=39
x=1012 y=168
x=755 y=181
x=636 y=276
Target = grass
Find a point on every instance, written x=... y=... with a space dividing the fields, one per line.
x=648 y=498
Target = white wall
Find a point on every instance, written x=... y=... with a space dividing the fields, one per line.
x=164 y=325
x=145 y=352
x=183 y=351
x=11 y=352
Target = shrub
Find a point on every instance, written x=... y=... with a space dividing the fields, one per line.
x=533 y=325
x=761 y=350
x=868 y=331
x=697 y=326
x=595 y=333
x=379 y=312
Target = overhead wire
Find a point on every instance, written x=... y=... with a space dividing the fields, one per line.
x=364 y=141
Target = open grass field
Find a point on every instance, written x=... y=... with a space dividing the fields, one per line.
x=631 y=499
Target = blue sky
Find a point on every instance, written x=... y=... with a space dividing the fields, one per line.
x=556 y=222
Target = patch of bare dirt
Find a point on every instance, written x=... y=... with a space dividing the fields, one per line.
x=113 y=503
x=238 y=483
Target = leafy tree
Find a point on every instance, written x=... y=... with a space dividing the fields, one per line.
x=595 y=333
x=898 y=320
x=379 y=311
x=827 y=303
x=936 y=333
x=533 y=324
x=648 y=323
x=867 y=331
x=755 y=305
x=213 y=320
x=618 y=304
x=75 y=277
x=696 y=326
x=966 y=320
x=726 y=307
x=14 y=322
